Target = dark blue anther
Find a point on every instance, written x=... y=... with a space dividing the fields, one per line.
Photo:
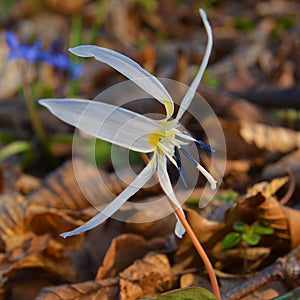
x=205 y=146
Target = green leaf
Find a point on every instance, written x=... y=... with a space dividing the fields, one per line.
x=193 y=293
x=230 y=240
x=15 y=148
x=251 y=239
x=229 y=195
x=239 y=226
x=244 y=24
x=262 y=230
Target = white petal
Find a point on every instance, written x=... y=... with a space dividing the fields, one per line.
x=165 y=183
x=130 y=69
x=186 y=101
x=115 y=205
x=209 y=177
x=117 y=125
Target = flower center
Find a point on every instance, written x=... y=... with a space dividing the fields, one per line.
x=160 y=136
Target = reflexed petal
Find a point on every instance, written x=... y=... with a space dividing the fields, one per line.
x=130 y=69
x=115 y=205
x=187 y=99
x=108 y=122
x=167 y=188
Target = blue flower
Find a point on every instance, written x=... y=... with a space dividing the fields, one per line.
x=19 y=50
x=61 y=60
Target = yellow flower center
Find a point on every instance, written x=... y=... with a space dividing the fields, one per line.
x=160 y=136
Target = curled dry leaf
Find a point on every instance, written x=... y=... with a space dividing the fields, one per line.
x=237 y=257
x=259 y=205
x=12 y=216
x=105 y=289
x=60 y=189
x=51 y=221
x=123 y=251
x=270 y=138
x=33 y=253
x=146 y=277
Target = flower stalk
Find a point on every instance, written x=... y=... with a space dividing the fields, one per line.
x=209 y=268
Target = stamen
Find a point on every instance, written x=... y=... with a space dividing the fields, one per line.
x=180 y=169
x=212 y=181
x=168 y=153
x=205 y=146
x=202 y=144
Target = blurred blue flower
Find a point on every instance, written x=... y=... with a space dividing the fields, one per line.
x=53 y=56
x=19 y=50
x=61 y=60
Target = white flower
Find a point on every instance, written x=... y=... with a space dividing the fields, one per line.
x=134 y=131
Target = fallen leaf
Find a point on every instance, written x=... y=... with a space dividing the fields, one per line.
x=146 y=277
x=34 y=252
x=259 y=205
x=124 y=250
x=60 y=189
x=105 y=289
x=269 y=137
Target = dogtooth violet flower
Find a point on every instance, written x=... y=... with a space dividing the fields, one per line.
x=131 y=130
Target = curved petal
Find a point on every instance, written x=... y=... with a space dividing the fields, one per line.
x=115 y=205
x=187 y=99
x=130 y=69
x=108 y=122
x=165 y=183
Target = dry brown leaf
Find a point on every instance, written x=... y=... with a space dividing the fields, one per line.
x=105 y=289
x=33 y=252
x=66 y=7
x=12 y=215
x=259 y=205
x=289 y=162
x=146 y=277
x=51 y=221
x=269 y=137
x=27 y=183
x=267 y=189
x=120 y=254
x=235 y=259
x=17 y=218
x=60 y=189
x=208 y=233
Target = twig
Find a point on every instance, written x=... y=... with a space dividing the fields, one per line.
x=273 y=97
x=259 y=280
x=286 y=268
